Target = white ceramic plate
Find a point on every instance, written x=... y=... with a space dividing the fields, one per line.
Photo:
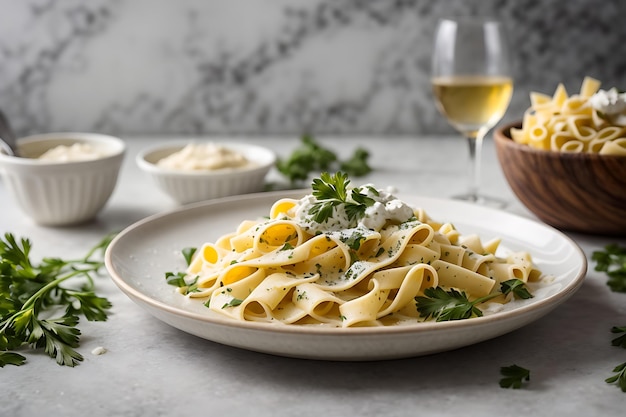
x=141 y=254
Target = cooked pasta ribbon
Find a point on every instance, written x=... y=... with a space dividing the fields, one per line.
x=279 y=271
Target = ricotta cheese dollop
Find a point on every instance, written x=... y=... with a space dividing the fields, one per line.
x=611 y=104
x=386 y=208
x=203 y=157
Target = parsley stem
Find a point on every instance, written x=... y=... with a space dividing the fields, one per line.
x=48 y=287
x=43 y=290
x=485 y=298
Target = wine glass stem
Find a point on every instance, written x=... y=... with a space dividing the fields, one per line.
x=475 y=151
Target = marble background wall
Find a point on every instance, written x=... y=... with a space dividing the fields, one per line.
x=274 y=66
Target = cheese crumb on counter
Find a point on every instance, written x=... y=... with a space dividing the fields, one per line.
x=99 y=351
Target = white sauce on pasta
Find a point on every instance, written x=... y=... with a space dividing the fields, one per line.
x=387 y=208
x=204 y=157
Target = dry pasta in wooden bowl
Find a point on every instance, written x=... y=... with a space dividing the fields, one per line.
x=566 y=159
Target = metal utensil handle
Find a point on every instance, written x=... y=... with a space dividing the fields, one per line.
x=7 y=136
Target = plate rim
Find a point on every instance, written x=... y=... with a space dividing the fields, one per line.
x=549 y=302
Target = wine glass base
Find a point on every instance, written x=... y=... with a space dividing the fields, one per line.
x=482 y=200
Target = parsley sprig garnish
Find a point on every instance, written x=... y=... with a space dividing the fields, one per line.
x=446 y=305
x=620 y=370
x=332 y=191
x=181 y=279
x=30 y=294
x=612 y=260
x=513 y=376
x=619 y=341
x=619 y=378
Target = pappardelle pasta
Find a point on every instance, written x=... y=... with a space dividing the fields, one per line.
x=591 y=121
x=345 y=257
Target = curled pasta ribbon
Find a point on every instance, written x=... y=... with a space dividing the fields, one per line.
x=407 y=283
x=320 y=305
x=456 y=276
x=282 y=207
x=276 y=235
x=506 y=271
x=275 y=271
x=208 y=254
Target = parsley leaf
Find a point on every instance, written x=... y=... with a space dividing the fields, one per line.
x=620 y=370
x=188 y=254
x=176 y=279
x=30 y=293
x=517 y=287
x=619 y=378
x=612 y=260
x=180 y=280
x=11 y=358
x=513 y=376
x=286 y=246
x=445 y=305
x=234 y=302
x=331 y=191
x=621 y=340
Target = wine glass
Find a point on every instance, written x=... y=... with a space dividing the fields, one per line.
x=472 y=84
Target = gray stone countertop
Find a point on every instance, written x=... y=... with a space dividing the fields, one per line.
x=152 y=369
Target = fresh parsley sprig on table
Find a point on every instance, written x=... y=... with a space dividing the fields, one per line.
x=332 y=191
x=612 y=260
x=619 y=378
x=513 y=376
x=311 y=157
x=445 y=305
x=30 y=294
x=620 y=370
x=619 y=341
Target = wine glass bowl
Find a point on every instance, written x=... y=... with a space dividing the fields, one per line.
x=472 y=85
x=473 y=104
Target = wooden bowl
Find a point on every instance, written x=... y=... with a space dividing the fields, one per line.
x=575 y=192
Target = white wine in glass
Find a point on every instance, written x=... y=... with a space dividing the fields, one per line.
x=472 y=85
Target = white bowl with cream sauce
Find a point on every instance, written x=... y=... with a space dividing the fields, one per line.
x=63 y=178
x=189 y=172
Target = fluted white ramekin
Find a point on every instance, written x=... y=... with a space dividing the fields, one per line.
x=62 y=193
